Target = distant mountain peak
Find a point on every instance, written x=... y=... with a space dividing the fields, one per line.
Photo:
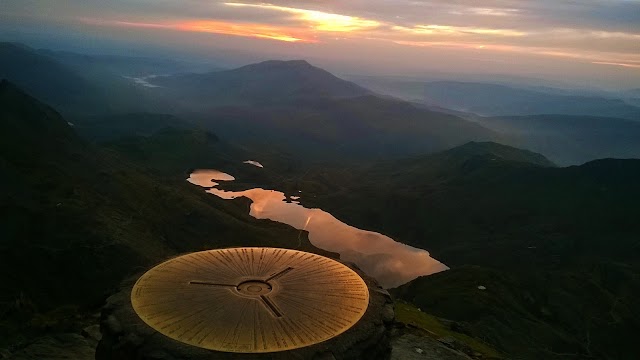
x=284 y=66
x=267 y=82
x=285 y=63
x=502 y=152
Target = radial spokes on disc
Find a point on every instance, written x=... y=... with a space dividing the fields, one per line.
x=250 y=300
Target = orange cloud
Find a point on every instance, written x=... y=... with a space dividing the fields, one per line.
x=319 y=20
x=246 y=30
x=259 y=31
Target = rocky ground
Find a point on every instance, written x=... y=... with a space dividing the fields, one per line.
x=82 y=346
x=415 y=347
x=70 y=346
x=413 y=335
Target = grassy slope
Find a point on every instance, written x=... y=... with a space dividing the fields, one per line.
x=409 y=315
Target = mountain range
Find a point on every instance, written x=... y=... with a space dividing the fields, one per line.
x=488 y=98
x=544 y=260
x=499 y=100
x=74 y=90
x=543 y=256
x=315 y=113
x=570 y=139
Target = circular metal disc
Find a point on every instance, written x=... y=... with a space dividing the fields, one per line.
x=250 y=300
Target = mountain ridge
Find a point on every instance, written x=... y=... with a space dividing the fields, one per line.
x=570 y=139
x=73 y=91
x=268 y=82
x=78 y=219
x=543 y=260
x=500 y=100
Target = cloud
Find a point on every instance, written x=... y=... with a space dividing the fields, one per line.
x=319 y=20
x=456 y=30
x=259 y=31
x=486 y=12
x=601 y=32
x=599 y=58
x=635 y=66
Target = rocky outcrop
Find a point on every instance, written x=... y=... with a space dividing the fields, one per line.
x=55 y=347
x=415 y=347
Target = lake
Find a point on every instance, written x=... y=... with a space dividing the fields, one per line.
x=388 y=261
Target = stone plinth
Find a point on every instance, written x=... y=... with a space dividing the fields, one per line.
x=125 y=336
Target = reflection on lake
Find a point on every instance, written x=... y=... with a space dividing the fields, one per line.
x=388 y=261
x=205 y=178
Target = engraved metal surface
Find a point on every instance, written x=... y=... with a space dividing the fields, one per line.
x=250 y=300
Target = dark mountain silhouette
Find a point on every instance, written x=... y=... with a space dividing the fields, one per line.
x=75 y=91
x=570 y=140
x=496 y=152
x=124 y=65
x=263 y=83
x=556 y=249
x=497 y=100
x=78 y=219
x=361 y=127
x=111 y=127
x=44 y=77
x=274 y=102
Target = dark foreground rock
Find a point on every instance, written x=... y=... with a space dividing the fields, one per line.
x=55 y=347
x=126 y=337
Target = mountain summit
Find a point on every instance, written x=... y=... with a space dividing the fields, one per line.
x=271 y=65
x=267 y=82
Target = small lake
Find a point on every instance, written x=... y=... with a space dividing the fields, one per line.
x=254 y=163
x=388 y=261
x=143 y=80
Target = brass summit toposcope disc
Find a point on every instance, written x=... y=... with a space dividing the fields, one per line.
x=250 y=300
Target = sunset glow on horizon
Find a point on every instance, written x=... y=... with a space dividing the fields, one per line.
x=318 y=20
x=259 y=31
x=602 y=34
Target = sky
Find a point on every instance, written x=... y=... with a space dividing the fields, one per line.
x=592 y=42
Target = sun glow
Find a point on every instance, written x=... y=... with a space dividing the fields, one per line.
x=321 y=21
x=298 y=25
x=259 y=31
x=238 y=29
